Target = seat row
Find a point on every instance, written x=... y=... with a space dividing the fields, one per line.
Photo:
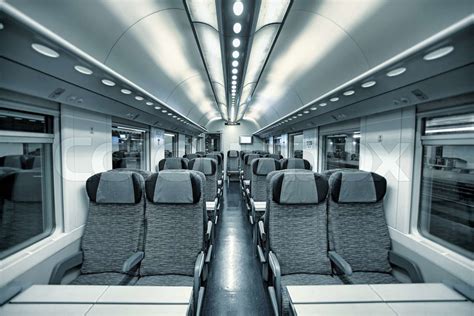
x=320 y=229
x=152 y=231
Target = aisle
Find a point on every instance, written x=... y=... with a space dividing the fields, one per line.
x=235 y=284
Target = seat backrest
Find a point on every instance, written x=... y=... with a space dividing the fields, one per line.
x=274 y=156
x=172 y=163
x=259 y=169
x=144 y=173
x=242 y=155
x=295 y=163
x=175 y=222
x=232 y=160
x=191 y=156
x=296 y=221
x=13 y=161
x=218 y=158
x=114 y=222
x=247 y=162
x=208 y=167
x=357 y=227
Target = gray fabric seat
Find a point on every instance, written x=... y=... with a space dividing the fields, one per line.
x=208 y=167
x=113 y=227
x=232 y=165
x=172 y=163
x=247 y=163
x=357 y=227
x=274 y=156
x=242 y=155
x=191 y=156
x=218 y=158
x=166 y=280
x=296 y=228
x=295 y=163
x=259 y=169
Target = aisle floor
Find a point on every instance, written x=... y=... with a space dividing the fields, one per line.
x=235 y=285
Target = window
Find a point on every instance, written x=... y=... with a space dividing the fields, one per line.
x=188 y=144
x=277 y=145
x=213 y=142
x=26 y=179
x=296 y=145
x=128 y=148
x=446 y=203
x=171 y=144
x=342 y=151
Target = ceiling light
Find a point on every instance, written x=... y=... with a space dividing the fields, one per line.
x=238 y=8
x=83 y=70
x=235 y=54
x=236 y=42
x=295 y=116
x=234 y=77
x=323 y=104
x=157 y=107
x=170 y=114
x=396 y=72
x=234 y=71
x=234 y=81
x=289 y=119
x=164 y=111
x=46 y=51
x=348 y=93
x=126 y=91
x=299 y=114
x=139 y=98
x=108 y=82
x=237 y=28
x=306 y=112
x=235 y=63
x=440 y=52
x=149 y=103
x=335 y=99
x=368 y=84
x=314 y=108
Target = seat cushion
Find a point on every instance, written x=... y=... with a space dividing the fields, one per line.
x=369 y=278
x=302 y=279
x=166 y=280
x=109 y=278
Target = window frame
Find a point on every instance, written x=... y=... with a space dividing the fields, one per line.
x=322 y=141
x=433 y=140
x=146 y=140
x=175 y=144
x=291 y=143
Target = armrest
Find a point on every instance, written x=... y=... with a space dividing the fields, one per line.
x=406 y=264
x=65 y=265
x=340 y=262
x=132 y=261
x=198 y=268
x=276 y=270
x=209 y=230
x=261 y=230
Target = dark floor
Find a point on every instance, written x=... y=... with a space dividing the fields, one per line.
x=235 y=285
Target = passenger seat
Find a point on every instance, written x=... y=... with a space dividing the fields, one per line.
x=208 y=167
x=172 y=163
x=296 y=163
x=232 y=166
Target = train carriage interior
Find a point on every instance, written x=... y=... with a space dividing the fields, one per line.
x=236 y=157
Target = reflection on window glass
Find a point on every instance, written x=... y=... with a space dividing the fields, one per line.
x=447 y=192
x=25 y=122
x=188 y=145
x=277 y=145
x=171 y=145
x=128 y=148
x=26 y=210
x=296 y=145
x=342 y=151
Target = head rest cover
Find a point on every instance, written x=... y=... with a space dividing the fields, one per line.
x=207 y=166
x=296 y=163
x=357 y=187
x=174 y=187
x=115 y=187
x=299 y=188
x=216 y=157
x=250 y=157
x=232 y=154
x=172 y=163
x=263 y=166
x=22 y=186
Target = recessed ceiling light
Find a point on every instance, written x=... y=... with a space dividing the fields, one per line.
x=440 y=52
x=1 y=26
x=157 y=107
x=170 y=114
x=108 y=82
x=149 y=103
x=164 y=111
x=294 y=116
x=234 y=77
x=299 y=114
x=237 y=28
x=235 y=63
x=335 y=99
x=368 y=84
x=46 y=51
x=234 y=81
x=83 y=70
x=290 y=119
x=314 y=108
x=139 y=98
x=174 y=116
x=126 y=91
x=306 y=112
x=238 y=8
x=396 y=72
x=323 y=104
x=235 y=54
x=236 y=42
x=349 y=92
x=234 y=71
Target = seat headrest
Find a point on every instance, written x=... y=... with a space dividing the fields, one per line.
x=115 y=187
x=174 y=187
x=191 y=156
x=173 y=163
x=299 y=188
x=216 y=157
x=22 y=186
x=296 y=163
x=144 y=173
x=263 y=166
x=243 y=153
x=208 y=166
x=357 y=187
x=274 y=156
x=250 y=157
x=232 y=154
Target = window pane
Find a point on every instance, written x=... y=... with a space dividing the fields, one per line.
x=25 y=122
x=462 y=123
x=447 y=196
x=26 y=195
x=188 y=146
x=128 y=148
x=277 y=146
x=171 y=145
x=296 y=145
x=342 y=151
